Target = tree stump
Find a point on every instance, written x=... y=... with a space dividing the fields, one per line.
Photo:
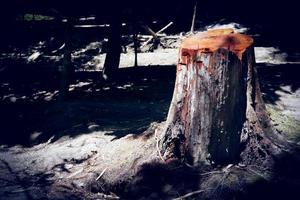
x=216 y=93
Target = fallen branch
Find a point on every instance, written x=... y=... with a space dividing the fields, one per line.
x=60 y=48
x=158 y=32
x=164 y=28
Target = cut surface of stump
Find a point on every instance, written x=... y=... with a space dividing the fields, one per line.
x=215 y=89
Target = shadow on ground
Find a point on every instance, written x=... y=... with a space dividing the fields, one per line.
x=127 y=106
x=273 y=78
x=160 y=181
x=31 y=112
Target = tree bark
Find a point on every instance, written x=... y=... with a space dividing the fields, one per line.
x=216 y=93
x=67 y=69
x=112 y=59
x=135 y=46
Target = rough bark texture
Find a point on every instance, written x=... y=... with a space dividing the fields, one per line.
x=260 y=141
x=216 y=94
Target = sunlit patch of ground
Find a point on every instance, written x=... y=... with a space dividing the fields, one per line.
x=285 y=113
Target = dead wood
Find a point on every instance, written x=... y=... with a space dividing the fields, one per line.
x=216 y=102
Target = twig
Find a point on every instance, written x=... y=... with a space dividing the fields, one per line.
x=60 y=48
x=101 y=174
x=226 y=169
x=189 y=194
x=50 y=139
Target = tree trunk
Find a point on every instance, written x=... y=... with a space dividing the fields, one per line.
x=112 y=59
x=214 y=94
x=67 y=69
x=135 y=45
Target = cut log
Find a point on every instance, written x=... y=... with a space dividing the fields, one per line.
x=214 y=92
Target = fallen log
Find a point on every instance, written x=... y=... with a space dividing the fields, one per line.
x=164 y=28
x=156 y=34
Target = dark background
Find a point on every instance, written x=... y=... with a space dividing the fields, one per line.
x=278 y=20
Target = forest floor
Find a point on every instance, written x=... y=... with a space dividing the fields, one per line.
x=56 y=150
